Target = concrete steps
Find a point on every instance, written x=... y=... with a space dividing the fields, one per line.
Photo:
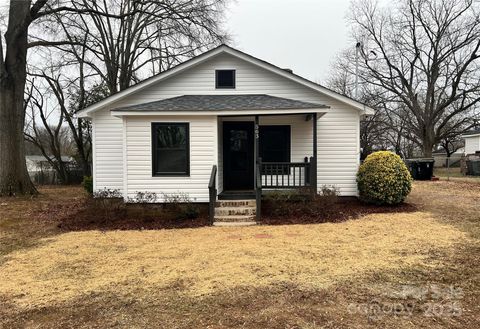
x=234 y=224
x=235 y=213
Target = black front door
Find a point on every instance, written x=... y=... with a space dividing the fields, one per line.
x=238 y=156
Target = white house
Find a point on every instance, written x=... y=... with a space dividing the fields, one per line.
x=261 y=126
x=472 y=141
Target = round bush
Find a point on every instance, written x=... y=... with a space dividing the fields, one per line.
x=383 y=178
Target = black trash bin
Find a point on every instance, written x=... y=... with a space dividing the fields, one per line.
x=474 y=169
x=421 y=169
x=469 y=167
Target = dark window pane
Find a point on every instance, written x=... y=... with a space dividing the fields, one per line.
x=275 y=146
x=171 y=161
x=238 y=140
x=275 y=143
x=225 y=78
x=170 y=148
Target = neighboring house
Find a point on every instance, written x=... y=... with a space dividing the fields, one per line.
x=440 y=157
x=36 y=163
x=472 y=141
x=228 y=110
x=42 y=172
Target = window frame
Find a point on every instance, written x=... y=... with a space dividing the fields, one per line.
x=154 y=149
x=226 y=87
x=288 y=129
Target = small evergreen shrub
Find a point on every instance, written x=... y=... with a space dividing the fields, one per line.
x=383 y=178
x=87 y=184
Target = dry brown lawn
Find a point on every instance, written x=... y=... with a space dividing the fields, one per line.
x=292 y=276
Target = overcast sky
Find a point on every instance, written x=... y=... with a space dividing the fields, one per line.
x=304 y=35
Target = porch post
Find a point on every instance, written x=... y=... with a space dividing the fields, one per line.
x=315 y=149
x=258 y=175
x=257 y=140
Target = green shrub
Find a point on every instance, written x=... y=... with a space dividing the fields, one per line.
x=383 y=178
x=88 y=184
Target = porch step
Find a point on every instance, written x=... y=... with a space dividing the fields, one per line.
x=236 y=203
x=235 y=218
x=234 y=224
x=235 y=212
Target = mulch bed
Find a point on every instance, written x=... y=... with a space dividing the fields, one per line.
x=83 y=215
x=342 y=210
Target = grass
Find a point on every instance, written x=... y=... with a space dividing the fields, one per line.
x=455 y=175
x=291 y=276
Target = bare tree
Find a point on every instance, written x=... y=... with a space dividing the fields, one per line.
x=46 y=130
x=378 y=131
x=425 y=54
x=124 y=41
x=105 y=16
x=13 y=73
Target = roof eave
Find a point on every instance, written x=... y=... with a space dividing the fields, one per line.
x=122 y=113
x=470 y=135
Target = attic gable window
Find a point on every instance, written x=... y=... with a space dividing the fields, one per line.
x=225 y=79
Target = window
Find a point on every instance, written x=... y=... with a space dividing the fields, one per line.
x=170 y=149
x=225 y=79
x=275 y=144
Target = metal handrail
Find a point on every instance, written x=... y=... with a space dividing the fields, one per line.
x=258 y=189
x=212 y=194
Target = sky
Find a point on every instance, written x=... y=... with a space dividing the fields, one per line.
x=303 y=35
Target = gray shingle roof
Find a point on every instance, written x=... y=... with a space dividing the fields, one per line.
x=222 y=103
x=472 y=132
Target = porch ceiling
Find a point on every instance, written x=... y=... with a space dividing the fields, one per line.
x=208 y=103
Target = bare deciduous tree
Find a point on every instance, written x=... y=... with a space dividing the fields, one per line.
x=46 y=130
x=124 y=33
x=425 y=54
x=126 y=41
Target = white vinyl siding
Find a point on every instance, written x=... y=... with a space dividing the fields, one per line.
x=472 y=144
x=338 y=130
x=107 y=151
x=203 y=148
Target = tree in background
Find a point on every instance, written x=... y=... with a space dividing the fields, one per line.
x=32 y=25
x=124 y=41
x=423 y=55
x=379 y=131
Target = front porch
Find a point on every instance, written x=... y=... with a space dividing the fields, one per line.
x=262 y=153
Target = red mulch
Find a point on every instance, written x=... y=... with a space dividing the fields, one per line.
x=83 y=214
x=341 y=211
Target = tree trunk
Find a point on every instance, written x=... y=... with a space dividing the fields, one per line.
x=14 y=178
x=427 y=146
x=428 y=139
